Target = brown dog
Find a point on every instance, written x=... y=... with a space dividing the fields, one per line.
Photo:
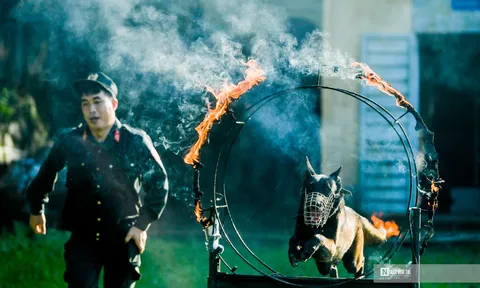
x=327 y=230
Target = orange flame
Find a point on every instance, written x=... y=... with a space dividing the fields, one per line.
x=434 y=187
x=373 y=79
x=433 y=202
x=198 y=212
x=254 y=74
x=390 y=226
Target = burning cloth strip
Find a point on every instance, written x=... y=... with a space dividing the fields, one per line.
x=429 y=180
x=254 y=75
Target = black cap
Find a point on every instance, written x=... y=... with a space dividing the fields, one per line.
x=99 y=78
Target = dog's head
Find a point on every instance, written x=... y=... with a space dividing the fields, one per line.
x=323 y=194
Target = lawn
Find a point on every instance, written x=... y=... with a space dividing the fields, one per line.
x=37 y=261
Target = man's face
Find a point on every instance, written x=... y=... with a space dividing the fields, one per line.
x=99 y=110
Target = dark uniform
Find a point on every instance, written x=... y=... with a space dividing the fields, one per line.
x=104 y=182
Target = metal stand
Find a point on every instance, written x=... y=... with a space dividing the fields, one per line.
x=218 y=279
x=212 y=235
x=416 y=234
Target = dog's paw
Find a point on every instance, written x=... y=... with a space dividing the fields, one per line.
x=310 y=247
x=294 y=249
x=293 y=260
x=307 y=253
x=293 y=255
x=308 y=250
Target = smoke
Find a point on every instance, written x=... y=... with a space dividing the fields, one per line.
x=148 y=44
x=163 y=54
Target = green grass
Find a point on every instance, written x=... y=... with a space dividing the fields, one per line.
x=37 y=261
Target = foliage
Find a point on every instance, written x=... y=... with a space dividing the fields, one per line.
x=20 y=121
x=6 y=105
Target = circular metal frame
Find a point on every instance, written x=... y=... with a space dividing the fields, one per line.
x=225 y=153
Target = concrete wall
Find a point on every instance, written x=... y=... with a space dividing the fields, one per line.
x=346 y=21
x=310 y=10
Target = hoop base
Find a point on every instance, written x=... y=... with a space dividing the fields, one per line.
x=224 y=280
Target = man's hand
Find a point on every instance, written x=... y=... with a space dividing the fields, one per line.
x=38 y=224
x=139 y=236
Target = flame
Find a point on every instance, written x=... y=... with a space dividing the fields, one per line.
x=373 y=79
x=433 y=202
x=390 y=226
x=254 y=74
x=434 y=187
x=198 y=212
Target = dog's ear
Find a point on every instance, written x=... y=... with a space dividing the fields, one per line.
x=346 y=192
x=335 y=174
x=310 y=171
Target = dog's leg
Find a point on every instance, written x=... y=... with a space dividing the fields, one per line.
x=361 y=269
x=354 y=264
x=294 y=247
x=309 y=248
x=324 y=247
x=354 y=260
x=323 y=267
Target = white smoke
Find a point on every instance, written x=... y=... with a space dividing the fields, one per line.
x=172 y=51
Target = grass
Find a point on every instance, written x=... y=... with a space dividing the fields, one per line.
x=37 y=261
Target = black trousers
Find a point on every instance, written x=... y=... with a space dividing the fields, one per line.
x=84 y=260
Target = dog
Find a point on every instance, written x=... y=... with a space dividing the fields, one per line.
x=327 y=230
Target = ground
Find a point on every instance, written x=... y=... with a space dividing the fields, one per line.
x=37 y=261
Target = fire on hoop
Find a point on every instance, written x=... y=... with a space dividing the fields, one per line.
x=373 y=79
x=429 y=173
x=254 y=75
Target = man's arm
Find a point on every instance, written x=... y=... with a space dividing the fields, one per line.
x=44 y=181
x=154 y=183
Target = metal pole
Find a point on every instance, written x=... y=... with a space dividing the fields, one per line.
x=214 y=268
x=476 y=141
x=212 y=233
x=416 y=240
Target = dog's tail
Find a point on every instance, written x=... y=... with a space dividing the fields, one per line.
x=371 y=234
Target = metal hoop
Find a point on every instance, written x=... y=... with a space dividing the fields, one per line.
x=226 y=149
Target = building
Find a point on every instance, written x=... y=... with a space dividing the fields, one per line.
x=423 y=48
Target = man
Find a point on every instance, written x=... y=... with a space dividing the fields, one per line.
x=108 y=165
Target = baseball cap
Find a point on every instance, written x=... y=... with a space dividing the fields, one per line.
x=99 y=78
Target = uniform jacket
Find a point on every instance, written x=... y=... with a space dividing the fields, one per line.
x=120 y=178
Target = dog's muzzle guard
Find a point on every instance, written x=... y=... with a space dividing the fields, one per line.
x=317 y=208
